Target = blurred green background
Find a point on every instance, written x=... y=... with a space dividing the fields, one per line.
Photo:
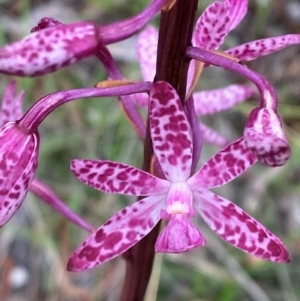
x=36 y=243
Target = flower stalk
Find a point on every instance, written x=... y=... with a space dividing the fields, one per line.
x=176 y=28
x=42 y=108
x=266 y=90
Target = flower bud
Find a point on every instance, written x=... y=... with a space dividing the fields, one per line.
x=18 y=163
x=265 y=138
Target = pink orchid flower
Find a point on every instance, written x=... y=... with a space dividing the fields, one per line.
x=176 y=198
x=212 y=27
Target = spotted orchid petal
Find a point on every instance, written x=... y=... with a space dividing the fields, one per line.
x=113 y=177
x=265 y=138
x=238 y=10
x=211 y=136
x=252 y=50
x=18 y=163
x=11 y=104
x=212 y=26
x=214 y=101
x=50 y=49
x=180 y=235
x=238 y=228
x=118 y=234
x=223 y=167
x=146 y=49
x=170 y=132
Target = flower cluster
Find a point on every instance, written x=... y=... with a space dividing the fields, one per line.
x=178 y=193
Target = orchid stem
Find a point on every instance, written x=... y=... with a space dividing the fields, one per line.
x=175 y=35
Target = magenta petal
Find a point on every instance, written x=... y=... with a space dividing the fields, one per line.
x=146 y=48
x=211 y=136
x=238 y=9
x=113 y=177
x=226 y=165
x=214 y=101
x=179 y=235
x=212 y=26
x=118 y=234
x=265 y=138
x=50 y=49
x=252 y=50
x=11 y=104
x=170 y=132
x=18 y=163
x=238 y=228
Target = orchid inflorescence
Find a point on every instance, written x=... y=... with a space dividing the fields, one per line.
x=173 y=191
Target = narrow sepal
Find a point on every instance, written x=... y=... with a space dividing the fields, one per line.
x=196 y=131
x=238 y=9
x=113 y=177
x=118 y=234
x=47 y=195
x=211 y=136
x=170 y=132
x=238 y=228
x=226 y=165
x=18 y=163
x=47 y=50
x=146 y=49
x=212 y=26
x=265 y=137
x=11 y=104
x=252 y=50
x=214 y=101
x=180 y=235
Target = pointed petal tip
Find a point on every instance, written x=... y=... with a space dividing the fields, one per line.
x=74 y=266
x=122 y=231
x=239 y=229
